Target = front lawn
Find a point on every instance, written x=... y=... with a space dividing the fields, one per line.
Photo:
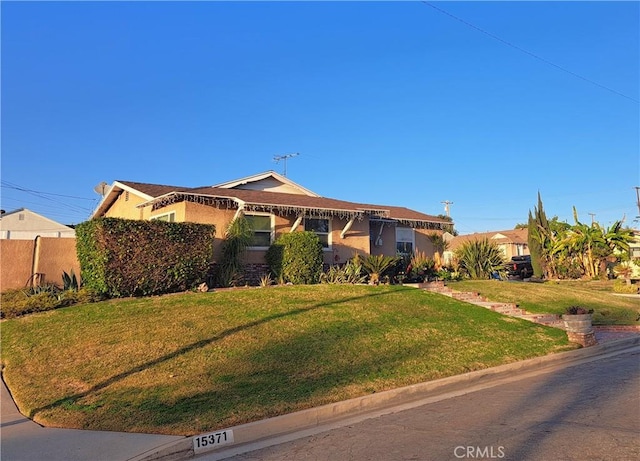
x=554 y=296
x=196 y=362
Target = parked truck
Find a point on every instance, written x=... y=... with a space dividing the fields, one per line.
x=520 y=267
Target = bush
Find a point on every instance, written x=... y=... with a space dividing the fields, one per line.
x=351 y=272
x=296 y=257
x=122 y=257
x=16 y=303
x=480 y=259
x=620 y=286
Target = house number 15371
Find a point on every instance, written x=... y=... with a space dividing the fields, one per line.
x=211 y=441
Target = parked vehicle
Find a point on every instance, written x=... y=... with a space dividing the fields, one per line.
x=520 y=266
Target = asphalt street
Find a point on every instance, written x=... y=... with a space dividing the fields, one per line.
x=584 y=412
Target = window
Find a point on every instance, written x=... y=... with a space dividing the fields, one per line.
x=405 y=241
x=169 y=217
x=262 y=229
x=320 y=227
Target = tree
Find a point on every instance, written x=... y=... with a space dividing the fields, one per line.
x=541 y=242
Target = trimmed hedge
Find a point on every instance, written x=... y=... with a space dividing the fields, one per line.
x=123 y=257
x=296 y=257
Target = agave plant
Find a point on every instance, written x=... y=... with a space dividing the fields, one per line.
x=377 y=265
x=70 y=281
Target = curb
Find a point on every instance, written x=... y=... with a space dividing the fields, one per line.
x=385 y=402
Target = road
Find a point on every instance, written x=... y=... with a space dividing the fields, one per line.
x=585 y=412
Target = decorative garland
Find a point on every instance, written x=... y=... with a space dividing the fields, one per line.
x=230 y=202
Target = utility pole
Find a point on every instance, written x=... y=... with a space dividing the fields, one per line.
x=592 y=216
x=447 y=210
x=638 y=200
x=277 y=159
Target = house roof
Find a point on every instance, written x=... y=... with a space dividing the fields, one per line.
x=143 y=190
x=37 y=218
x=231 y=194
x=238 y=183
x=517 y=236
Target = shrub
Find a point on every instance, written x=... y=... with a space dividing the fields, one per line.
x=238 y=238
x=377 y=266
x=480 y=259
x=578 y=310
x=351 y=272
x=296 y=257
x=16 y=303
x=122 y=257
x=620 y=286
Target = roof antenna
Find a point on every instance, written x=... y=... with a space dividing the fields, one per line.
x=277 y=159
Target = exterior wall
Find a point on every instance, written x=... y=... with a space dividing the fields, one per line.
x=55 y=256
x=356 y=240
x=49 y=256
x=125 y=207
x=423 y=242
x=388 y=239
x=16 y=263
x=204 y=214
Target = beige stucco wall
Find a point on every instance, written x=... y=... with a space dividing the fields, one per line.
x=125 y=207
x=46 y=255
x=55 y=256
x=16 y=260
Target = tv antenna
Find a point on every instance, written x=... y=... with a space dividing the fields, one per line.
x=277 y=159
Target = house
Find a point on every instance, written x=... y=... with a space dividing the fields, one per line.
x=24 y=224
x=274 y=205
x=512 y=242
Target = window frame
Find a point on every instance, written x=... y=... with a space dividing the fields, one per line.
x=412 y=241
x=170 y=214
x=271 y=229
x=329 y=246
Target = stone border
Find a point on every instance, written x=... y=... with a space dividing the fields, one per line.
x=387 y=402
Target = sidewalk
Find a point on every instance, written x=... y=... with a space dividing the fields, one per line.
x=24 y=440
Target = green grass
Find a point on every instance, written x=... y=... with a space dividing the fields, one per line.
x=553 y=297
x=197 y=362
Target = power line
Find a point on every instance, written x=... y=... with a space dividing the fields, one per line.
x=522 y=50
x=22 y=189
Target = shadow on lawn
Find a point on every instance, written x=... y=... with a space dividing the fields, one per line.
x=197 y=345
x=272 y=383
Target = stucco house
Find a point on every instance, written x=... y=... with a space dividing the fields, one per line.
x=512 y=242
x=274 y=205
x=24 y=224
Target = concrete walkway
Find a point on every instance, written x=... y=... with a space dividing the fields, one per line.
x=23 y=440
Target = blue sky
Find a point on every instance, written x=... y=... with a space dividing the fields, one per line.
x=482 y=104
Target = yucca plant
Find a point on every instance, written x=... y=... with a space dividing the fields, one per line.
x=266 y=281
x=480 y=259
x=377 y=265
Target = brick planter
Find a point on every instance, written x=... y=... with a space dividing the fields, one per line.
x=579 y=329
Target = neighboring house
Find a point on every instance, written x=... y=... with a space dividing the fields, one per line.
x=274 y=205
x=24 y=224
x=512 y=242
